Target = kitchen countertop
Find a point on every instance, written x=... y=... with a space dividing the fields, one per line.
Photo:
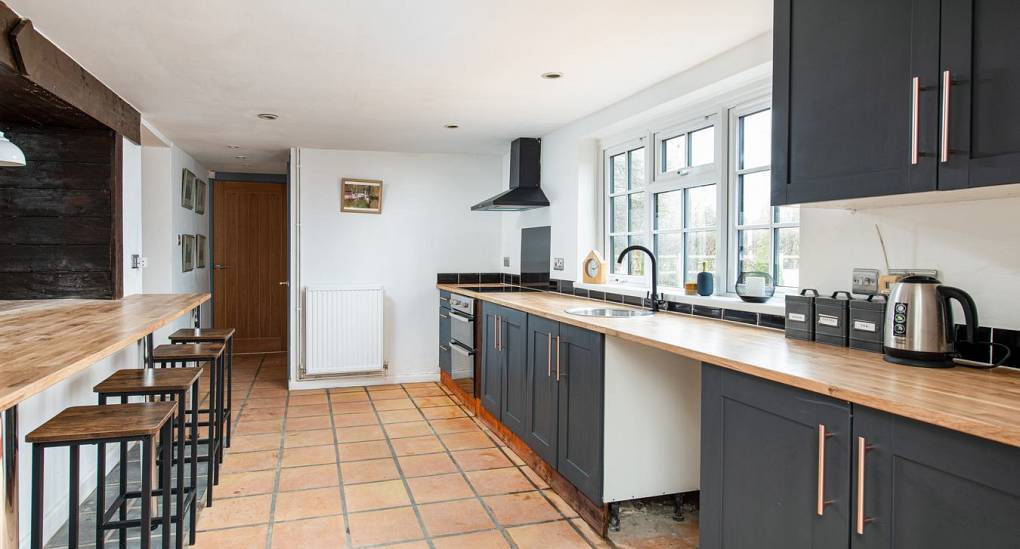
x=45 y=341
x=983 y=403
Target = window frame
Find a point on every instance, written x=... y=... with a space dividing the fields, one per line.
x=608 y=194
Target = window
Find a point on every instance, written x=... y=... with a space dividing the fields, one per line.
x=703 y=205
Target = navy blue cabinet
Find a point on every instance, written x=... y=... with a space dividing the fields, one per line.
x=513 y=347
x=542 y=418
x=492 y=361
x=581 y=398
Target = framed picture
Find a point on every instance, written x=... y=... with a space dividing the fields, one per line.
x=360 y=195
x=200 y=248
x=187 y=252
x=199 y=196
x=188 y=189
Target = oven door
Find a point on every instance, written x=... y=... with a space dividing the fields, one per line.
x=463 y=361
x=462 y=330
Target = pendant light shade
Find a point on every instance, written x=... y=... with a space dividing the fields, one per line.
x=10 y=154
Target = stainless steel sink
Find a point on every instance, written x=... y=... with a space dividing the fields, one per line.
x=608 y=312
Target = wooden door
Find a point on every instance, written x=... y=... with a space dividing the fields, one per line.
x=842 y=98
x=542 y=417
x=250 y=262
x=492 y=361
x=930 y=488
x=980 y=53
x=513 y=340
x=760 y=465
x=581 y=399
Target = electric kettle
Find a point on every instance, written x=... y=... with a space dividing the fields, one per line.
x=919 y=329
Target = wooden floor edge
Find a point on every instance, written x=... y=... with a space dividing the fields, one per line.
x=594 y=514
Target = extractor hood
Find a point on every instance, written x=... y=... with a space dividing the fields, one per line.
x=525 y=169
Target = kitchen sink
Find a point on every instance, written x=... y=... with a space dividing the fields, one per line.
x=608 y=312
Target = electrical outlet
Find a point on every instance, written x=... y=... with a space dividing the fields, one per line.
x=558 y=263
x=139 y=262
x=865 y=281
x=506 y=261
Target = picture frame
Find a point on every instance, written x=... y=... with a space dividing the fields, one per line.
x=200 y=251
x=188 y=189
x=361 y=195
x=187 y=252
x=200 y=188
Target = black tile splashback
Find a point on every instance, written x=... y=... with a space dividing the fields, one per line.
x=1011 y=339
x=635 y=301
x=446 y=278
x=596 y=295
x=980 y=352
x=581 y=292
x=772 y=321
x=745 y=317
x=677 y=307
x=491 y=278
x=711 y=312
x=469 y=278
x=614 y=298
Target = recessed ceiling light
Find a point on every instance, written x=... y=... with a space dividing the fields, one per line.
x=268 y=116
x=233 y=147
x=552 y=75
x=241 y=157
x=451 y=126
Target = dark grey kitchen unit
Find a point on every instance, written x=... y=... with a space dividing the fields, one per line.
x=445 y=358
x=924 y=487
x=581 y=400
x=543 y=416
x=860 y=88
x=492 y=361
x=513 y=346
x=760 y=447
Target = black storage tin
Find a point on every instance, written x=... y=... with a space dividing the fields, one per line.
x=832 y=319
x=800 y=315
x=867 y=324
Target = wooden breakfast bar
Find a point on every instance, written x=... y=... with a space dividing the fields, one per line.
x=43 y=342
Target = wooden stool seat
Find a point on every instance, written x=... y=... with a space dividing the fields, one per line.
x=79 y=423
x=201 y=335
x=149 y=380
x=187 y=352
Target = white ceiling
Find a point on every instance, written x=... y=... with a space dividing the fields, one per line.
x=381 y=74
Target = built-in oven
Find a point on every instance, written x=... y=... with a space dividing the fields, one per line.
x=462 y=336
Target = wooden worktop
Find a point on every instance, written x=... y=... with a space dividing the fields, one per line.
x=983 y=403
x=43 y=342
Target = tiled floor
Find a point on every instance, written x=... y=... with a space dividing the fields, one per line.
x=383 y=466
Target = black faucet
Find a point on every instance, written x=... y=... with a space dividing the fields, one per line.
x=655 y=273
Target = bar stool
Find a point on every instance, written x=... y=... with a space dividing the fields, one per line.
x=163 y=382
x=79 y=425
x=181 y=355
x=225 y=337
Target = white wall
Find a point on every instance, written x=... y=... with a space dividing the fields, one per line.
x=973 y=244
x=157 y=243
x=426 y=227
x=132 y=215
x=188 y=222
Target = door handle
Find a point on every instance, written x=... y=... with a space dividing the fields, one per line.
x=947 y=83
x=218 y=267
x=548 y=357
x=557 y=358
x=915 y=114
x=862 y=448
x=441 y=315
x=284 y=283
x=821 y=503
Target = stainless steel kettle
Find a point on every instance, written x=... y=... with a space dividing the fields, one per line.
x=919 y=329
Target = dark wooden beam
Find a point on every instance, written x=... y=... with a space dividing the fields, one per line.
x=8 y=20
x=116 y=263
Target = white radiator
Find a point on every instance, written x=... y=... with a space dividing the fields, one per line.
x=343 y=330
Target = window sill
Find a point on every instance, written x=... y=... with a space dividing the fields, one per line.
x=774 y=306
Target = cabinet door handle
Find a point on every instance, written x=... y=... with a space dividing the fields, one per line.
x=557 y=358
x=499 y=333
x=947 y=83
x=495 y=335
x=441 y=315
x=548 y=358
x=862 y=448
x=444 y=348
x=821 y=503
x=915 y=114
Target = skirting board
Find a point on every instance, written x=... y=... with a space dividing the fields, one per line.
x=360 y=381
x=652 y=422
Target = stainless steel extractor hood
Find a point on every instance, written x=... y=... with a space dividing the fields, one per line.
x=525 y=169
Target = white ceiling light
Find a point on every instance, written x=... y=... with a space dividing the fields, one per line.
x=241 y=157
x=451 y=126
x=233 y=147
x=552 y=75
x=268 y=116
x=10 y=154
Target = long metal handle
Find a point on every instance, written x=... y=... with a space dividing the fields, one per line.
x=821 y=502
x=557 y=358
x=444 y=348
x=441 y=315
x=499 y=333
x=459 y=318
x=862 y=447
x=441 y=298
x=947 y=83
x=915 y=115
x=495 y=334
x=548 y=357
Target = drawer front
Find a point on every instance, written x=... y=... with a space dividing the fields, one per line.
x=462 y=330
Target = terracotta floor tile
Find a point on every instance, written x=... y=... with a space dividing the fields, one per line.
x=428 y=444
x=313 y=476
x=356 y=451
x=308 y=438
x=466 y=441
x=269 y=391
x=233 y=538
x=340 y=408
x=305 y=400
x=454 y=517
x=424 y=391
x=307 y=411
x=308 y=455
x=251 y=461
x=262 y=414
x=427 y=401
x=512 y=456
x=489 y=539
x=410 y=429
x=486 y=458
x=557 y=534
x=387 y=394
x=521 y=508
x=398 y=416
x=272 y=402
x=443 y=412
x=258 y=427
x=234 y=485
x=456 y=425
x=316 y=533
x=428 y=464
x=308 y=423
x=354 y=420
x=252 y=443
x=407 y=545
x=360 y=433
x=376 y=495
x=439 y=488
x=490 y=482
x=307 y=503
x=598 y=541
x=533 y=477
x=359 y=396
x=372 y=470
x=226 y=513
x=560 y=504
x=393 y=404
x=388 y=526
